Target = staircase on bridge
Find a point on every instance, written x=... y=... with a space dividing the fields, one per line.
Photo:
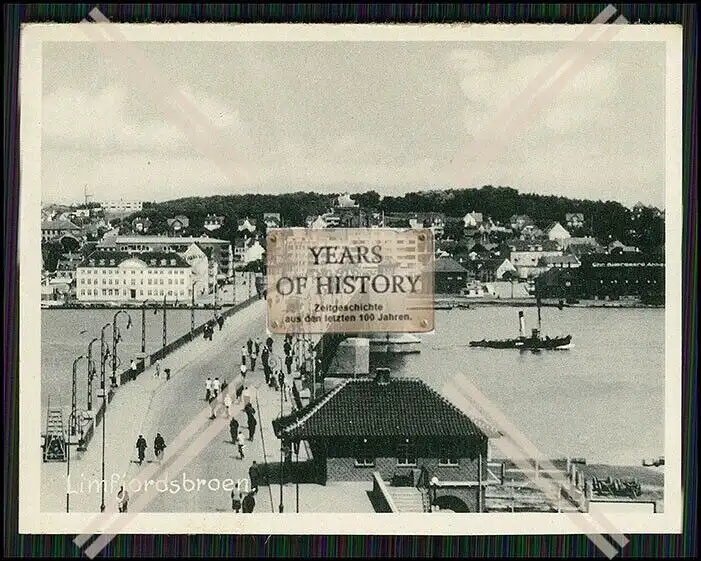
x=407 y=499
x=55 y=438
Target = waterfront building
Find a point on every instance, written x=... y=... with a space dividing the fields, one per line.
x=400 y=429
x=116 y=276
x=449 y=276
x=221 y=250
x=607 y=277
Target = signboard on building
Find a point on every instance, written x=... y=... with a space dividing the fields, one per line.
x=350 y=280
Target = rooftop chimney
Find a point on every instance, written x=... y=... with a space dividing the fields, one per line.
x=382 y=376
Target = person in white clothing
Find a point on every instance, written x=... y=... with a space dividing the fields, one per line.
x=208 y=389
x=246 y=395
x=241 y=443
x=216 y=387
x=227 y=403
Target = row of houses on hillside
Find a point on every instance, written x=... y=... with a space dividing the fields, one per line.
x=180 y=224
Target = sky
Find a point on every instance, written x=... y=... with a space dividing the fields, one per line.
x=330 y=117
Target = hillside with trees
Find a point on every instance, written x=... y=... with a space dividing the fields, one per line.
x=603 y=219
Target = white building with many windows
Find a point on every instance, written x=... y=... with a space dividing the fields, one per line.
x=111 y=276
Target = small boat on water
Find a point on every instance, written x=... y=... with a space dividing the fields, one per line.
x=534 y=342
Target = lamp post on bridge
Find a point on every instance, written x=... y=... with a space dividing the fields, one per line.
x=143 y=322
x=104 y=353
x=116 y=338
x=73 y=429
x=192 y=308
x=91 y=370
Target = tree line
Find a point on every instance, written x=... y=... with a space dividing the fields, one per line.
x=605 y=220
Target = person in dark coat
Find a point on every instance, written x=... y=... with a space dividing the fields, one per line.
x=269 y=343
x=141 y=447
x=287 y=347
x=281 y=382
x=288 y=364
x=249 y=346
x=253 y=476
x=251 y=426
x=248 y=503
x=159 y=445
x=220 y=321
x=233 y=429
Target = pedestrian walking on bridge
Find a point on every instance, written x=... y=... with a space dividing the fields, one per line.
x=233 y=430
x=208 y=389
x=248 y=503
x=241 y=443
x=141 y=447
x=251 y=426
x=159 y=445
x=227 y=404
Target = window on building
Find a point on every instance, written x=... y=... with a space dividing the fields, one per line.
x=447 y=455
x=82 y=292
x=406 y=454
x=364 y=456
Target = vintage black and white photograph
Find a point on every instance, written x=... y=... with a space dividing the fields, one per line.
x=542 y=161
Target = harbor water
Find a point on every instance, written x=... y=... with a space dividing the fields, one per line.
x=602 y=400
x=62 y=342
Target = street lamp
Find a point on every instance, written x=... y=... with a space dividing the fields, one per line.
x=104 y=352
x=116 y=338
x=192 y=308
x=72 y=422
x=91 y=371
x=143 y=323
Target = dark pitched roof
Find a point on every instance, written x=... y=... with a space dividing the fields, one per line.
x=361 y=407
x=114 y=258
x=59 y=225
x=447 y=265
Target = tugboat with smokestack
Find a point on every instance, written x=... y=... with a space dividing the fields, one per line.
x=534 y=342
